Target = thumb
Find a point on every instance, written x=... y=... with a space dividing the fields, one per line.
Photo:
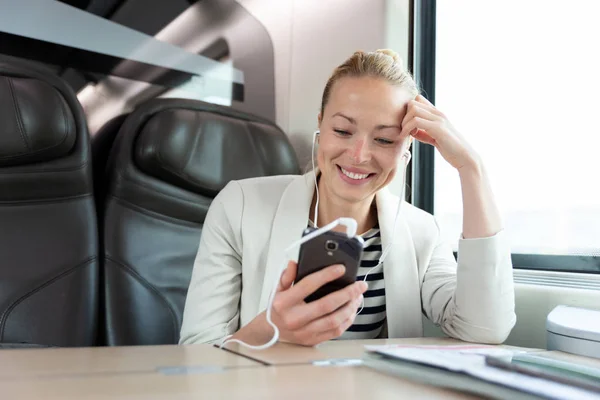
x=288 y=276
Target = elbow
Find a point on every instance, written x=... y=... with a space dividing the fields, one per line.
x=496 y=336
x=189 y=339
x=200 y=339
x=502 y=331
x=493 y=328
x=494 y=333
x=193 y=335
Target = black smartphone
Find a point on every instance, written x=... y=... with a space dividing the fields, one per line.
x=327 y=249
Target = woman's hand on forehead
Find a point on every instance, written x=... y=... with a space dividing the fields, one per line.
x=427 y=124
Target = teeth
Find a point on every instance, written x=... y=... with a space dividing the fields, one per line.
x=353 y=175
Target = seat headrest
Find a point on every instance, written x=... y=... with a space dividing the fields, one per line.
x=36 y=124
x=202 y=151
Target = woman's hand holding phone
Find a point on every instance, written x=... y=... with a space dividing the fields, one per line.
x=324 y=319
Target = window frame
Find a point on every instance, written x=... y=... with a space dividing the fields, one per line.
x=422 y=62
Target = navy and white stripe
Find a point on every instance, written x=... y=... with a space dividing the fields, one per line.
x=369 y=323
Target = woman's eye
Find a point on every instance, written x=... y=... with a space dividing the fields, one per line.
x=341 y=132
x=384 y=141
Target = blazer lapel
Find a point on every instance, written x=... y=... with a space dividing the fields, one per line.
x=291 y=218
x=402 y=288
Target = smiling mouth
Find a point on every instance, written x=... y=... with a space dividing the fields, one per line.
x=354 y=176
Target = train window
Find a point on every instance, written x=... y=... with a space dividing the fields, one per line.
x=211 y=91
x=519 y=79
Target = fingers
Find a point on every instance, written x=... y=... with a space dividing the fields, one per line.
x=337 y=332
x=418 y=110
x=327 y=317
x=422 y=100
x=302 y=316
x=335 y=319
x=288 y=276
x=419 y=116
x=423 y=137
x=310 y=283
x=415 y=128
x=335 y=300
x=330 y=326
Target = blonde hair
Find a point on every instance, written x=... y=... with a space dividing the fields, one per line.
x=383 y=63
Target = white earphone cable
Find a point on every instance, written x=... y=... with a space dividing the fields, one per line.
x=315 y=222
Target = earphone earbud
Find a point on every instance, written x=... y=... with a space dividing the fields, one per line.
x=407 y=156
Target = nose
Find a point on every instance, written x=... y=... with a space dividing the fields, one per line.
x=360 y=152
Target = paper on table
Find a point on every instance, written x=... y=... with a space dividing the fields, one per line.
x=442 y=350
x=538 y=360
x=471 y=360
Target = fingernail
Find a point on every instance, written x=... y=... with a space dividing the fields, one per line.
x=364 y=286
x=340 y=269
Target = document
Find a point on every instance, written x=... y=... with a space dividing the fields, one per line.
x=464 y=368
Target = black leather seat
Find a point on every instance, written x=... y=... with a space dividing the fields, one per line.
x=101 y=143
x=48 y=231
x=170 y=159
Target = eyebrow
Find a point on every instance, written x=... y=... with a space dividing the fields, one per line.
x=380 y=127
x=339 y=114
x=353 y=121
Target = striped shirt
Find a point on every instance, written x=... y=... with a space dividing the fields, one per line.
x=369 y=323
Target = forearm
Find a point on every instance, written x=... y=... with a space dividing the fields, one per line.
x=481 y=217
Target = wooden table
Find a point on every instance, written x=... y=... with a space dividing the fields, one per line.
x=203 y=371
x=287 y=354
x=72 y=362
x=299 y=382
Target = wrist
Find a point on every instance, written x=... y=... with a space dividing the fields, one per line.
x=256 y=332
x=473 y=168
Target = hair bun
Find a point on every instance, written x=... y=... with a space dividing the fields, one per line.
x=395 y=56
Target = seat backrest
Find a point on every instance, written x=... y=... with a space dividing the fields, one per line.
x=48 y=231
x=101 y=144
x=170 y=159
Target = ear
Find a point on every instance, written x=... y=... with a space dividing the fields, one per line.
x=319 y=119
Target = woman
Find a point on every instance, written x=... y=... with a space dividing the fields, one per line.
x=370 y=112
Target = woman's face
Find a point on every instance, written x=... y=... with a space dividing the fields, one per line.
x=360 y=144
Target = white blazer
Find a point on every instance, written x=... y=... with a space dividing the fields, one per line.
x=252 y=221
